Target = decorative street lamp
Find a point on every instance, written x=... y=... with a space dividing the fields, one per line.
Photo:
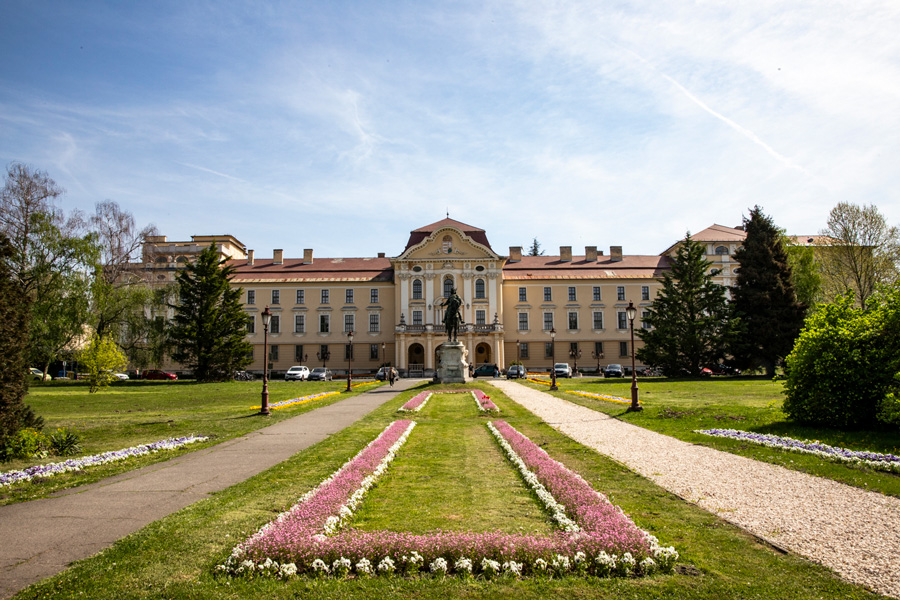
x=598 y=356
x=349 y=359
x=575 y=354
x=631 y=311
x=324 y=355
x=264 y=406
x=553 y=387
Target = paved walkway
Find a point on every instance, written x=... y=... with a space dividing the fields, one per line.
x=852 y=531
x=42 y=537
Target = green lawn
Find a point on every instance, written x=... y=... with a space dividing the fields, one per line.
x=137 y=412
x=679 y=407
x=175 y=557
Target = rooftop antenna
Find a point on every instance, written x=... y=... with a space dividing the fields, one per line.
x=448 y=213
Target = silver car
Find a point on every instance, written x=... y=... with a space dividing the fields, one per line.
x=562 y=370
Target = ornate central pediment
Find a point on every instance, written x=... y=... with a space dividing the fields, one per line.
x=448 y=240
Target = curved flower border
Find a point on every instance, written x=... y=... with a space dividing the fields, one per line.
x=606 y=397
x=873 y=460
x=78 y=464
x=296 y=401
x=308 y=538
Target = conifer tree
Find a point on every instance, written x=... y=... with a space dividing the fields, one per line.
x=689 y=318
x=209 y=328
x=763 y=297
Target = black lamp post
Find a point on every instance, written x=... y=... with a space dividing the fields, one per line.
x=631 y=311
x=553 y=387
x=598 y=356
x=384 y=359
x=575 y=354
x=264 y=406
x=349 y=359
x=323 y=356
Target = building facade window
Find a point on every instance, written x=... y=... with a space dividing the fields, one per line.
x=373 y=352
x=348 y=351
x=373 y=296
x=251 y=296
x=620 y=292
x=348 y=323
x=273 y=353
x=276 y=297
x=523 y=350
x=548 y=321
x=326 y=297
x=298 y=353
x=324 y=323
x=573 y=320
x=597 y=296
x=417 y=289
x=417 y=317
x=251 y=324
x=598 y=350
x=623 y=320
x=523 y=321
x=348 y=297
x=572 y=296
x=548 y=295
x=721 y=250
x=275 y=324
x=523 y=295
x=301 y=297
x=374 y=323
x=645 y=292
x=645 y=314
x=623 y=348
x=299 y=323
x=548 y=349
x=598 y=319
x=479 y=317
x=479 y=289
x=448 y=286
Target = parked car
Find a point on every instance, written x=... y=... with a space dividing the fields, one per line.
x=562 y=370
x=613 y=370
x=320 y=374
x=297 y=373
x=156 y=374
x=380 y=375
x=38 y=375
x=486 y=370
x=720 y=369
x=516 y=372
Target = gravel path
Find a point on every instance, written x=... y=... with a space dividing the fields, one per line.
x=854 y=532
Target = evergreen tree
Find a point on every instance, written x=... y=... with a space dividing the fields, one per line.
x=209 y=329
x=763 y=298
x=535 y=249
x=14 y=317
x=689 y=318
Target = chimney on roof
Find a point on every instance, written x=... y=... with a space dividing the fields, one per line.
x=590 y=253
x=250 y=257
x=278 y=257
x=381 y=255
x=515 y=253
x=565 y=253
x=615 y=253
x=307 y=256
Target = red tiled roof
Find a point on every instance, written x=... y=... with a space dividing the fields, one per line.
x=417 y=235
x=551 y=267
x=321 y=269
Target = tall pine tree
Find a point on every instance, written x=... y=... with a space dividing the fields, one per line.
x=763 y=298
x=210 y=325
x=689 y=318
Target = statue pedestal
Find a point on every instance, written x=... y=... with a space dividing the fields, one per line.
x=452 y=366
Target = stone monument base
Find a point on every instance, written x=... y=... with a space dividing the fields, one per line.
x=452 y=366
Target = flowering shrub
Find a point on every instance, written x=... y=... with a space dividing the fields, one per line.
x=296 y=401
x=873 y=460
x=77 y=464
x=601 y=397
x=415 y=403
x=310 y=535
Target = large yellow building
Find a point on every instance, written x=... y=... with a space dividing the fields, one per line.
x=511 y=302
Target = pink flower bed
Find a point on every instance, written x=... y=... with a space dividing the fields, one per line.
x=308 y=538
x=415 y=403
x=485 y=404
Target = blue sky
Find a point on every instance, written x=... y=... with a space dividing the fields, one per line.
x=341 y=126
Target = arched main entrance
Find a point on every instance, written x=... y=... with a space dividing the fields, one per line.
x=482 y=353
x=416 y=360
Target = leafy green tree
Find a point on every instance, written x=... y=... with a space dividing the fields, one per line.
x=763 y=298
x=535 y=248
x=210 y=325
x=864 y=251
x=842 y=370
x=14 y=414
x=689 y=318
x=806 y=274
x=102 y=358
